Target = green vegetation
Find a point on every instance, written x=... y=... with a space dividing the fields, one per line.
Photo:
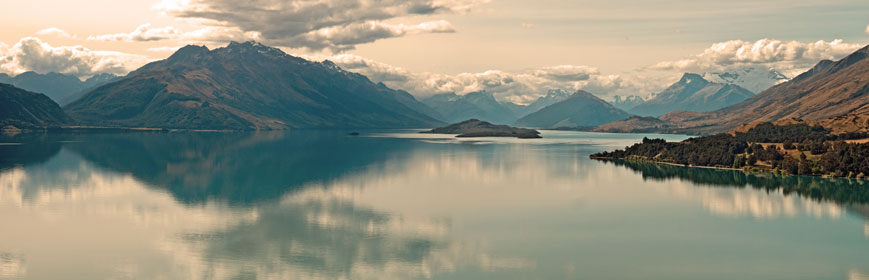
x=795 y=149
x=839 y=190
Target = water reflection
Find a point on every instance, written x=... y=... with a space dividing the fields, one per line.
x=323 y=205
x=725 y=198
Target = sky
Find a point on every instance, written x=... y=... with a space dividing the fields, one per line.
x=517 y=50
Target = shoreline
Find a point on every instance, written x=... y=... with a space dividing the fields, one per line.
x=745 y=170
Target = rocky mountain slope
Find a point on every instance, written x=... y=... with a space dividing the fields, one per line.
x=246 y=86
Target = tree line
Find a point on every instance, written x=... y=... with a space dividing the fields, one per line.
x=794 y=149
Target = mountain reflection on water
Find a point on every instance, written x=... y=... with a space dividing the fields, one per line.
x=325 y=205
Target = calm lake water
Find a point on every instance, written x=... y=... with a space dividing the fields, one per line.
x=403 y=205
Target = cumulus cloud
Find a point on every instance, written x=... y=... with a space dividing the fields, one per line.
x=32 y=54
x=54 y=31
x=790 y=57
x=163 y=49
x=867 y=29
x=341 y=38
x=143 y=33
x=336 y=25
x=520 y=87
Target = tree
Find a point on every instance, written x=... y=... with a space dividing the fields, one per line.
x=788 y=145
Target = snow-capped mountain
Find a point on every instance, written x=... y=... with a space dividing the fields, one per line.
x=627 y=102
x=552 y=96
x=750 y=78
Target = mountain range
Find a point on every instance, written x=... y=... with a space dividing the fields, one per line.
x=251 y=86
x=627 y=102
x=832 y=93
x=481 y=105
x=692 y=93
x=582 y=109
x=246 y=86
x=61 y=88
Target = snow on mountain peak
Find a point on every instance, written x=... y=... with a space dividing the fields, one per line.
x=750 y=78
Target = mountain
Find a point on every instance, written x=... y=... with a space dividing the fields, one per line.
x=552 y=96
x=246 y=86
x=61 y=88
x=828 y=90
x=832 y=93
x=627 y=102
x=692 y=93
x=24 y=109
x=753 y=79
x=582 y=109
x=476 y=105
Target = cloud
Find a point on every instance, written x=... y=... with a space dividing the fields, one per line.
x=342 y=38
x=867 y=29
x=143 y=33
x=336 y=25
x=32 y=54
x=791 y=57
x=54 y=31
x=520 y=87
x=163 y=49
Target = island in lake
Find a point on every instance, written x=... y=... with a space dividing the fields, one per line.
x=478 y=128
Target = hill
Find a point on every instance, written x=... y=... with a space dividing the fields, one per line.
x=478 y=128
x=24 y=109
x=246 y=86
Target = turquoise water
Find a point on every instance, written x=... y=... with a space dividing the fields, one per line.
x=404 y=205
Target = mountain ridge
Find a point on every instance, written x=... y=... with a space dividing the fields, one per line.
x=246 y=86
x=22 y=109
x=692 y=93
x=582 y=109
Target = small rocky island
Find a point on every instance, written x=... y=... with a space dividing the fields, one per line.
x=478 y=128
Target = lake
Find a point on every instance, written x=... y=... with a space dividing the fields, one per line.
x=396 y=204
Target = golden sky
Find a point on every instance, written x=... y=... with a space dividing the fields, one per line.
x=609 y=45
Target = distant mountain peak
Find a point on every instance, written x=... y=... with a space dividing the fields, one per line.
x=557 y=92
x=580 y=92
x=688 y=78
x=253 y=47
x=754 y=79
x=581 y=109
x=189 y=52
x=692 y=93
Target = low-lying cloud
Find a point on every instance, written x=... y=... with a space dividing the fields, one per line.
x=520 y=87
x=790 y=58
x=143 y=33
x=32 y=54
